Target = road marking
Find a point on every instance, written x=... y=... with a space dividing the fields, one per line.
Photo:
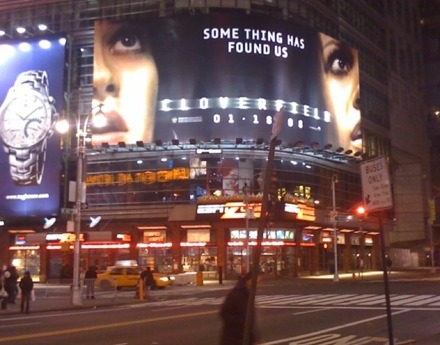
x=101 y=327
x=332 y=329
x=310 y=311
x=20 y=324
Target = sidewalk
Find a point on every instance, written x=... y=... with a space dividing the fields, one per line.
x=57 y=297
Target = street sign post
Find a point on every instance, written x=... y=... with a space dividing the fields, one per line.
x=376 y=193
x=376 y=188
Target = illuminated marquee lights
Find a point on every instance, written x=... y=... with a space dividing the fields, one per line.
x=254 y=243
x=24 y=247
x=154 y=245
x=242 y=103
x=193 y=244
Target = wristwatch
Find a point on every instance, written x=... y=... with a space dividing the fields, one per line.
x=27 y=118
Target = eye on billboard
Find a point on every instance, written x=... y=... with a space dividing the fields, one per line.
x=31 y=96
x=224 y=76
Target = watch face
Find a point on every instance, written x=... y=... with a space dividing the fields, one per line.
x=25 y=119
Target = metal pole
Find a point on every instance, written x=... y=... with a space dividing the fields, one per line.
x=335 y=234
x=386 y=284
x=431 y=244
x=76 y=291
x=246 y=199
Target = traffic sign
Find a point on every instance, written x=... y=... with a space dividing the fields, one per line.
x=376 y=186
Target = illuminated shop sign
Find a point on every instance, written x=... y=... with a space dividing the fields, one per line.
x=31 y=99
x=231 y=210
x=145 y=177
x=302 y=211
x=237 y=210
x=124 y=237
x=64 y=237
x=194 y=77
x=270 y=234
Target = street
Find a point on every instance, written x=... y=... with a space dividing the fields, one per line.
x=289 y=312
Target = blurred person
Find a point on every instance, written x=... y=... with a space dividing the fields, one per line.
x=148 y=281
x=340 y=83
x=233 y=313
x=90 y=278
x=10 y=282
x=26 y=285
x=125 y=82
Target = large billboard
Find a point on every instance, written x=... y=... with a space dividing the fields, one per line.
x=224 y=76
x=31 y=96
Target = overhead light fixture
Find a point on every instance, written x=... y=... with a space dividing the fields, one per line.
x=94 y=221
x=42 y=27
x=49 y=222
x=21 y=30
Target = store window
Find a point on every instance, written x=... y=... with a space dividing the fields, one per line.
x=27 y=260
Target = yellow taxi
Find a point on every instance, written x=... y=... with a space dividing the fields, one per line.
x=123 y=277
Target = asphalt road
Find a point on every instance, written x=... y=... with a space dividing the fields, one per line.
x=289 y=312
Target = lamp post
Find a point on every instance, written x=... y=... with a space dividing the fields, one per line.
x=335 y=234
x=99 y=120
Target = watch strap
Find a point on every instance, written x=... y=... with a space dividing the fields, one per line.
x=36 y=80
x=27 y=165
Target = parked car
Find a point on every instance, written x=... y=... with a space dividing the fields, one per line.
x=128 y=277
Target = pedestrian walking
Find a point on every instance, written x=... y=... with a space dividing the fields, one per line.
x=26 y=285
x=233 y=313
x=148 y=281
x=89 y=279
x=10 y=282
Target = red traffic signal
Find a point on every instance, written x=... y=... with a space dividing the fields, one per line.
x=361 y=211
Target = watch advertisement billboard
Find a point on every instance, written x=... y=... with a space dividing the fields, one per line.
x=31 y=96
x=224 y=75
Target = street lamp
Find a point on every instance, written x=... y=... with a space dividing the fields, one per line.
x=99 y=120
x=335 y=234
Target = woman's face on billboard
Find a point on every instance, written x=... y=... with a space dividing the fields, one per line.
x=125 y=81
x=341 y=91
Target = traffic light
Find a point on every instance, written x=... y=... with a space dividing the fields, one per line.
x=361 y=211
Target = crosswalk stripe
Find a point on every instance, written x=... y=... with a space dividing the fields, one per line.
x=359 y=299
x=336 y=299
x=408 y=301
x=351 y=300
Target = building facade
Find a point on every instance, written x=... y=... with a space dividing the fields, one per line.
x=188 y=198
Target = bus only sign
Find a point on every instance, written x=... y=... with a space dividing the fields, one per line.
x=376 y=187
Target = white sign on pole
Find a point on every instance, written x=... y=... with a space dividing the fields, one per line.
x=376 y=187
x=277 y=123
